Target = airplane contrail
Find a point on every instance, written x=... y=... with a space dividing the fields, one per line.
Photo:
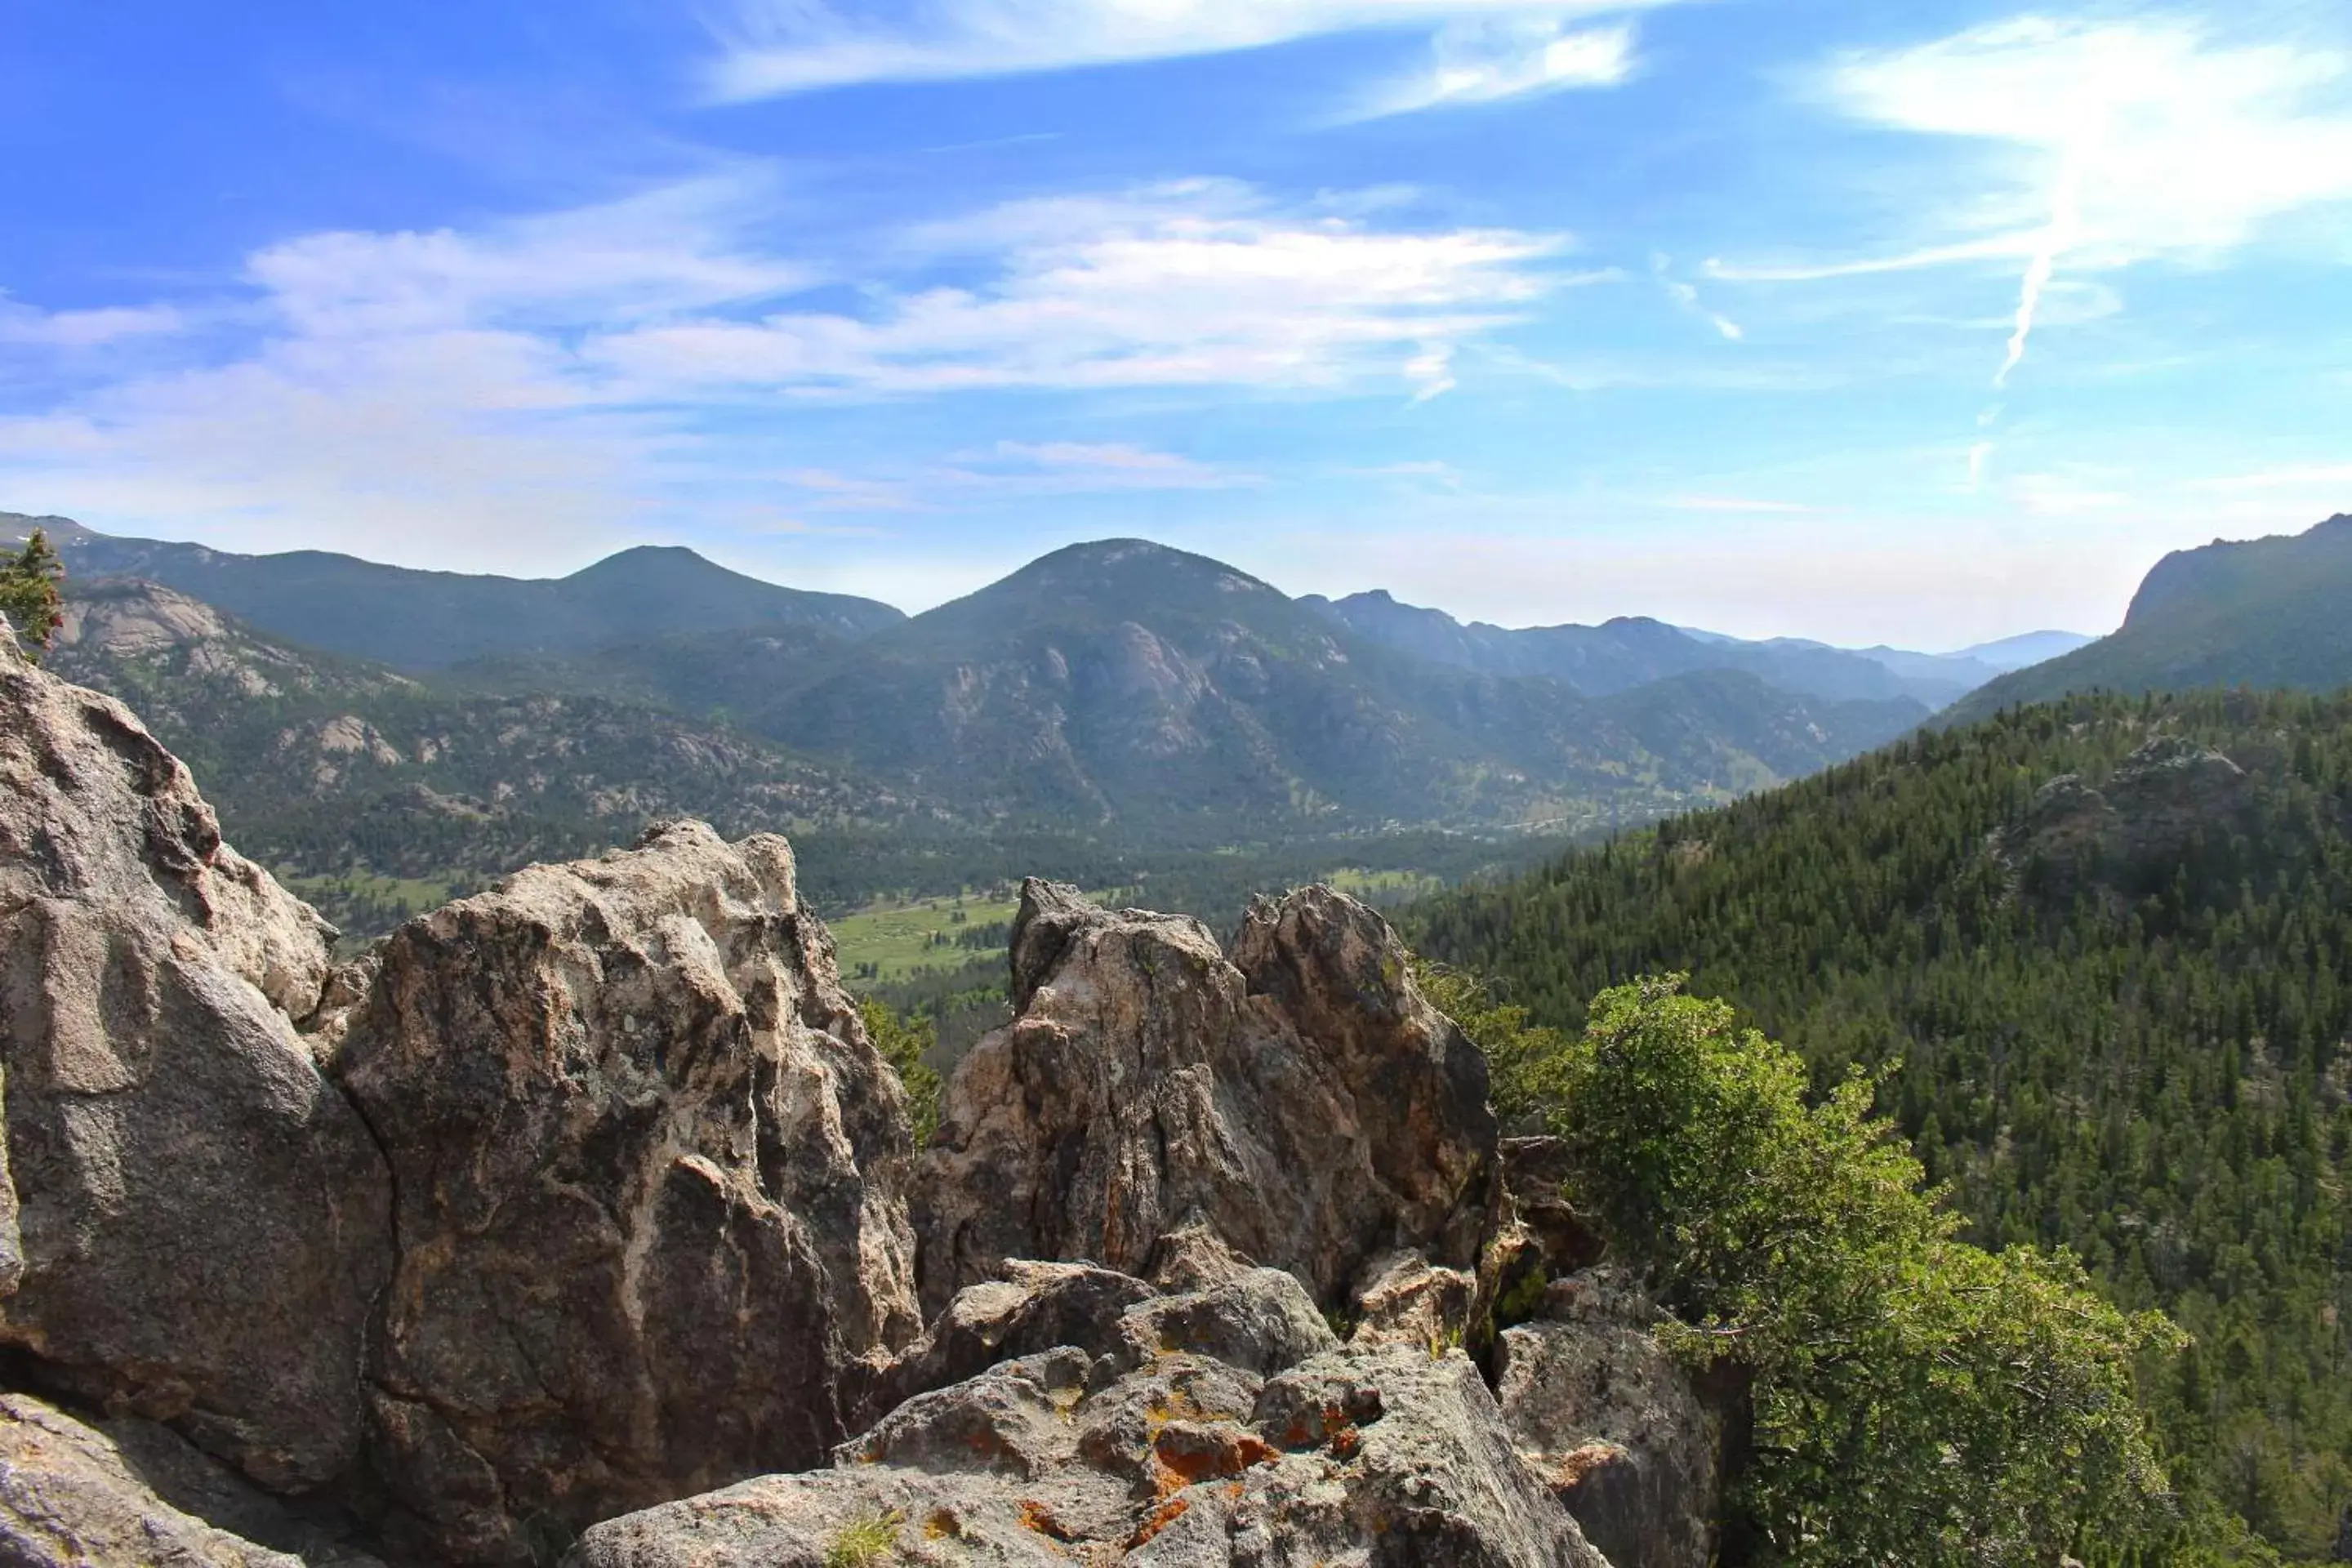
x=2057 y=237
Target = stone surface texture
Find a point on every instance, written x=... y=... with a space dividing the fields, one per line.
x=1303 y=1102
x=650 y=1176
x=1613 y=1423
x=194 y=1224
x=71 y=1495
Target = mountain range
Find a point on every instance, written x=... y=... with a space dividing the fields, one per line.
x=1633 y=650
x=431 y=730
x=1120 y=684
x=2263 y=612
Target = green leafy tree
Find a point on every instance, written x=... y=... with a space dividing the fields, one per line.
x=1917 y=1400
x=904 y=1040
x=29 y=594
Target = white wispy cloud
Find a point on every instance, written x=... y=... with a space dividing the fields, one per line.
x=1685 y=295
x=1011 y=470
x=1203 y=283
x=2107 y=143
x=1494 y=59
x=536 y=387
x=24 y=325
x=771 y=47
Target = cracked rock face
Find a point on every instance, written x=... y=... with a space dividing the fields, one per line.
x=1302 y=1102
x=1295 y=1451
x=193 y=1223
x=649 y=1175
x=1613 y=1423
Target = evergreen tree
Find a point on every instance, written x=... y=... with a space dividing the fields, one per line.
x=29 y=593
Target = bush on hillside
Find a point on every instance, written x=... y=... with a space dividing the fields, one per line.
x=1917 y=1400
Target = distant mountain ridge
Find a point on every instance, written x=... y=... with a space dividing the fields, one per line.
x=325 y=765
x=1123 y=681
x=1632 y=650
x=1119 y=686
x=2261 y=613
x=424 y=620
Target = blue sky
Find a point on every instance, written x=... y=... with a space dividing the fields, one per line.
x=1925 y=323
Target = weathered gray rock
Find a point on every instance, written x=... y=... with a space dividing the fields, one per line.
x=70 y=1499
x=1032 y=1309
x=1304 y=1103
x=1405 y=1300
x=650 y=1174
x=1386 y=1457
x=1614 y=1423
x=1393 y=1458
x=194 y=1222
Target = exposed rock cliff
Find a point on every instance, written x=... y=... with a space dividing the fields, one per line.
x=2126 y=838
x=195 y=1222
x=650 y=1174
x=1302 y=1101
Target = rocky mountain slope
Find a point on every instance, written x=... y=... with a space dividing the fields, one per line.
x=421 y=621
x=590 y=1194
x=1633 y=650
x=331 y=764
x=1120 y=686
x=1126 y=681
x=2266 y=613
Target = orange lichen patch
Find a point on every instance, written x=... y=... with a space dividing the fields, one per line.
x=1185 y=1454
x=1166 y=1514
x=1037 y=1517
x=1347 y=1443
x=1566 y=1471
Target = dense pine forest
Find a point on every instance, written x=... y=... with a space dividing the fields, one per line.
x=2101 y=950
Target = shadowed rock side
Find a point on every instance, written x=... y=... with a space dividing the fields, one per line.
x=650 y=1173
x=193 y=1223
x=1303 y=1103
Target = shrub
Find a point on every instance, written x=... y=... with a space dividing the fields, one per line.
x=1917 y=1400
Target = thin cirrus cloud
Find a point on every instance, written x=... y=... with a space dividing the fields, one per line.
x=775 y=47
x=1490 y=59
x=2111 y=143
x=538 y=383
x=25 y=326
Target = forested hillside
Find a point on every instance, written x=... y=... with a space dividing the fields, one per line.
x=2260 y=613
x=2104 y=950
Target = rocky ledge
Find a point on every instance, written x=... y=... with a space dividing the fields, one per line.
x=581 y=1221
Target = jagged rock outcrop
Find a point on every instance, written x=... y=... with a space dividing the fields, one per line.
x=2126 y=839
x=589 y=1194
x=1387 y=1456
x=1614 y=1423
x=193 y=1223
x=1303 y=1103
x=650 y=1178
